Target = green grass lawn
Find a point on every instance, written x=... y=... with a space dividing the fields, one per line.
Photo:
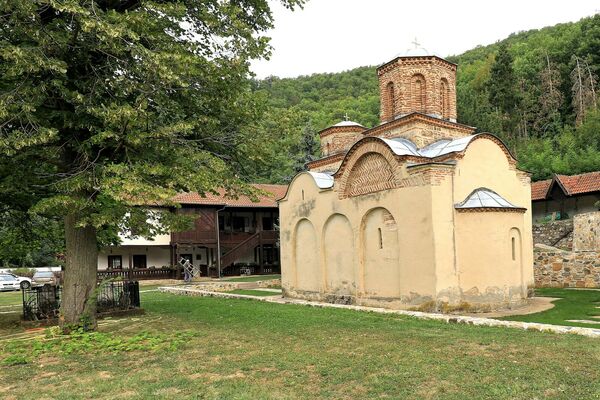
x=251 y=292
x=252 y=278
x=10 y=299
x=573 y=305
x=11 y=307
x=243 y=349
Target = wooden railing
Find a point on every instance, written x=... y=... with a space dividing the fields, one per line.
x=138 y=274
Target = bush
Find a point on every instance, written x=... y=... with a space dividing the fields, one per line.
x=28 y=272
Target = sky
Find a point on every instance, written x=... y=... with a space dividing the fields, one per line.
x=337 y=35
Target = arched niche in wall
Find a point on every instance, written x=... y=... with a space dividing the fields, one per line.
x=306 y=257
x=445 y=98
x=418 y=93
x=390 y=98
x=380 y=263
x=339 y=256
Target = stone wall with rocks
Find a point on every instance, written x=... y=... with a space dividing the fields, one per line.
x=586 y=232
x=554 y=233
x=559 y=268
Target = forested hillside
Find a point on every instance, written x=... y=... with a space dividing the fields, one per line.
x=537 y=90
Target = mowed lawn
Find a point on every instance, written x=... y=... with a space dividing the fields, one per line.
x=572 y=305
x=244 y=349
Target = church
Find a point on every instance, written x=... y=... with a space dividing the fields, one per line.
x=419 y=211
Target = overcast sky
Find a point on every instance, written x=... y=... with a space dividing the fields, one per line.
x=336 y=35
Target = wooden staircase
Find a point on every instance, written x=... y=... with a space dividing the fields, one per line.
x=240 y=250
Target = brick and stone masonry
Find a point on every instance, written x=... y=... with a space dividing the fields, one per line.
x=586 y=229
x=560 y=268
x=554 y=233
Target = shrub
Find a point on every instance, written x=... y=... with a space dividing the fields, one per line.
x=28 y=272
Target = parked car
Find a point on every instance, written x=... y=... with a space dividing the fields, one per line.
x=24 y=282
x=13 y=282
x=41 y=278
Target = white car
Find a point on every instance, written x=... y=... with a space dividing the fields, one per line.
x=10 y=281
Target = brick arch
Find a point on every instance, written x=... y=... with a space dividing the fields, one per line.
x=369 y=166
x=390 y=101
x=418 y=92
x=445 y=98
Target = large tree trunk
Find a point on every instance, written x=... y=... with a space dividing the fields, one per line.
x=78 y=305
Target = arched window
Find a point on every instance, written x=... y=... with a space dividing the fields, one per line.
x=445 y=98
x=514 y=249
x=390 y=101
x=328 y=148
x=418 y=93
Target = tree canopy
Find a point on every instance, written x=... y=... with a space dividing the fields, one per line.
x=109 y=104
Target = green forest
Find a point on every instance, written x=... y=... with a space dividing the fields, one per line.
x=537 y=90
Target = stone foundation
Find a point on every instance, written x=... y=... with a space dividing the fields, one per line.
x=492 y=299
x=558 y=268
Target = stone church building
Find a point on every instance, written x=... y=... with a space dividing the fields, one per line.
x=418 y=210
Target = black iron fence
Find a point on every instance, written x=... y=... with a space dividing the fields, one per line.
x=43 y=302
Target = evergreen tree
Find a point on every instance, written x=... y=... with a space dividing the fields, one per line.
x=309 y=148
x=502 y=88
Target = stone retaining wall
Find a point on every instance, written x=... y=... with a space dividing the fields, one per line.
x=587 y=232
x=557 y=268
x=554 y=233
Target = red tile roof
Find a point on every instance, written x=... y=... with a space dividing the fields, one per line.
x=275 y=192
x=539 y=189
x=583 y=183
x=573 y=185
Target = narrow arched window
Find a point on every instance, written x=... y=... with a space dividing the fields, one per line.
x=390 y=101
x=302 y=194
x=418 y=93
x=445 y=98
x=514 y=249
x=380 y=238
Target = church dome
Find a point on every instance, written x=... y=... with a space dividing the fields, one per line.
x=348 y=123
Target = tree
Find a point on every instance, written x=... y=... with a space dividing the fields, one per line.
x=550 y=99
x=583 y=89
x=502 y=88
x=308 y=148
x=121 y=103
